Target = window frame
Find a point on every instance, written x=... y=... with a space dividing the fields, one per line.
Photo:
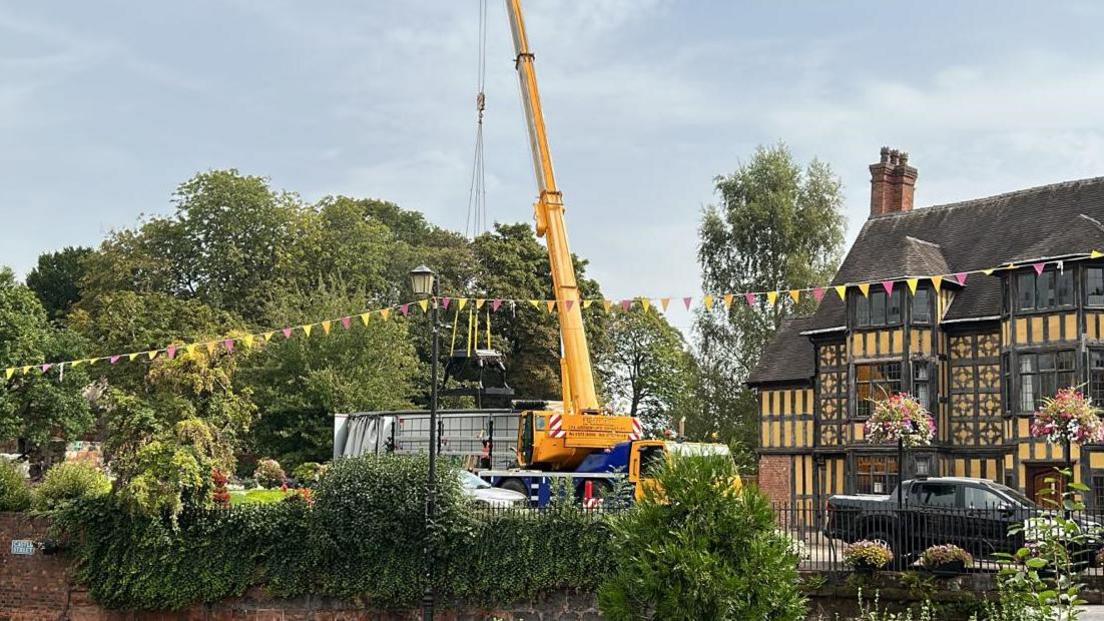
x=1051 y=297
x=886 y=474
x=928 y=307
x=1089 y=270
x=862 y=406
x=1053 y=369
x=864 y=315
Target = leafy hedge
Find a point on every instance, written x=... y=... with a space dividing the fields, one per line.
x=363 y=538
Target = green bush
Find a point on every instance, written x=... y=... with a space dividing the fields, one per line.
x=308 y=473
x=269 y=473
x=699 y=549
x=15 y=492
x=67 y=482
x=362 y=538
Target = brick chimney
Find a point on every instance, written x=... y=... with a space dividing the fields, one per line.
x=892 y=183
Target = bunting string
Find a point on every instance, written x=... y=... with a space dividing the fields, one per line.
x=326 y=327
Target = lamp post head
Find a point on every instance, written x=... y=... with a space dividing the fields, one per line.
x=421 y=281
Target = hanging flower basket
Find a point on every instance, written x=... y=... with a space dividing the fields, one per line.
x=866 y=556
x=1070 y=417
x=900 y=417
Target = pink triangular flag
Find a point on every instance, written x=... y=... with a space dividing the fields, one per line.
x=1039 y=267
x=46 y=367
x=888 y=286
x=750 y=298
x=405 y=309
x=229 y=344
x=170 y=351
x=568 y=304
x=287 y=333
x=961 y=278
x=495 y=304
x=626 y=304
x=686 y=302
x=445 y=302
x=818 y=294
x=114 y=359
x=346 y=322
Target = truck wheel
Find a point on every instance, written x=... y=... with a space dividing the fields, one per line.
x=515 y=485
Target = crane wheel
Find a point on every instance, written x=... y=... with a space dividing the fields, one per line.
x=515 y=485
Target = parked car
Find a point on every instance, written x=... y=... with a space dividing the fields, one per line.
x=974 y=514
x=482 y=492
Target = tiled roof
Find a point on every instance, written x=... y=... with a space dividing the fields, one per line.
x=788 y=357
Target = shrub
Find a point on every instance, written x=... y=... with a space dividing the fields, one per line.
x=867 y=553
x=67 y=482
x=696 y=548
x=269 y=473
x=944 y=555
x=15 y=492
x=307 y=473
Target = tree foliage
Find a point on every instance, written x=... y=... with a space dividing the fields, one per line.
x=777 y=226
x=56 y=279
x=647 y=369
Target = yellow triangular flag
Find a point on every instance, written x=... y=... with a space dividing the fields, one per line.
x=607 y=304
x=211 y=347
x=462 y=303
x=326 y=327
x=535 y=303
x=268 y=336
x=26 y=370
x=307 y=329
x=841 y=291
x=423 y=303
x=663 y=302
x=247 y=340
x=795 y=295
x=865 y=289
x=479 y=302
x=94 y=361
x=385 y=313
x=772 y=297
x=152 y=354
x=132 y=356
x=8 y=373
x=988 y=272
x=587 y=303
x=727 y=300
x=551 y=304
x=937 y=281
x=190 y=348
x=365 y=318
x=1096 y=254
x=708 y=301
x=646 y=303
x=75 y=363
x=912 y=282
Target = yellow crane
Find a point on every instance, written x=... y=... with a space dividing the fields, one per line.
x=549 y=438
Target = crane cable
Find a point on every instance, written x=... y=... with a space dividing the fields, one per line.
x=477 y=189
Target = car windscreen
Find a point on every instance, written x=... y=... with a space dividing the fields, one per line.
x=471 y=481
x=1013 y=494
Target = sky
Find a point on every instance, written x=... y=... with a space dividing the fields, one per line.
x=106 y=107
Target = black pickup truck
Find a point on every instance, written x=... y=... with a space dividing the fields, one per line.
x=974 y=514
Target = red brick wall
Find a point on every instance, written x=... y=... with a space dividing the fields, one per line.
x=774 y=477
x=37 y=588
x=33 y=587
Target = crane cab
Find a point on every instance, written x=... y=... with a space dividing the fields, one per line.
x=647 y=456
x=550 y=439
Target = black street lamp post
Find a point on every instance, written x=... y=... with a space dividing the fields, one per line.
x=424 y=283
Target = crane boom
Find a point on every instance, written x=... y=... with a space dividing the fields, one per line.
x=578 y=379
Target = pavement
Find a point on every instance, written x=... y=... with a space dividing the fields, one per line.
x=1092 y=613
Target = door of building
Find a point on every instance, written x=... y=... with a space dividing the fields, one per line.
x=1045 y=484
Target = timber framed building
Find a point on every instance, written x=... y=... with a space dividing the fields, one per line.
x=980 y=356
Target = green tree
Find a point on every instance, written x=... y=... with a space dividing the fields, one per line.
x=647 y=368
x=37 y=407
x=696 y=548
x=300 y=383
x=778 y=226
x=56 y=279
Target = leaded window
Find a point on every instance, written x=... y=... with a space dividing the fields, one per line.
x=873 y=382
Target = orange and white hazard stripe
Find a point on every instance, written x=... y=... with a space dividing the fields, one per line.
x=637 y=430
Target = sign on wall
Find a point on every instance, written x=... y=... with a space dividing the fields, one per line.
x=24 y=547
